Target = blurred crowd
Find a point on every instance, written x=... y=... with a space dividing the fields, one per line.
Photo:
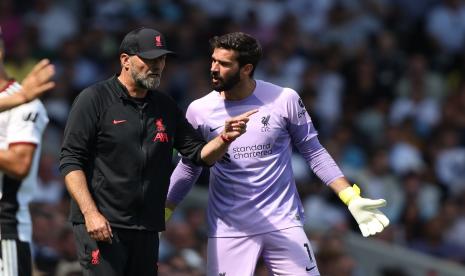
x=383 y=80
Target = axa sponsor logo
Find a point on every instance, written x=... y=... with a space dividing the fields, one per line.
x=160 y=131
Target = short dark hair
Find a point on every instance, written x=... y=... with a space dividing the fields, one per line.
x=247 y=47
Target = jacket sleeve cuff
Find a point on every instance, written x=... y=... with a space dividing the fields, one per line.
x=69 y=168
x=198 y=158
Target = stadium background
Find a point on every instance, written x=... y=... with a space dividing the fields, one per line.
x=384 y=81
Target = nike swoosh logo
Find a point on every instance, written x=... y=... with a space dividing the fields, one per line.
x=309 y=269
x=213 y=129
x=115 y=122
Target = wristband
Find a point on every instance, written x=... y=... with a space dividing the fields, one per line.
x=349 y=193
x=226 y=139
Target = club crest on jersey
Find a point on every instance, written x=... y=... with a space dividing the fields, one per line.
x=160 y=131
x=266 y=123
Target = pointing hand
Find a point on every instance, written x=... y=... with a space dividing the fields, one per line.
x=236 y=126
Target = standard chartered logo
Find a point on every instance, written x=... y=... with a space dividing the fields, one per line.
x=252 y=151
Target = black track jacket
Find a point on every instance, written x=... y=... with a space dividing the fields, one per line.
x=125 y=151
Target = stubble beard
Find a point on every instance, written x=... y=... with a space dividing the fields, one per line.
x=225 y=84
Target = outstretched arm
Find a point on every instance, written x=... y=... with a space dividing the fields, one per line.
x=183 y=178
x=365 y=211
x=35 y=84
x=305 y=138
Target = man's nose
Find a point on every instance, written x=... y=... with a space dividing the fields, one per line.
x=214 y=67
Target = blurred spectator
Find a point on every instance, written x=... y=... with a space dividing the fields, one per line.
x=20 y=60
x=11 y=24
x=450 y=161
x=50 y=188
x=53 y=22
x=419 y=93
x=349 y=29
x=432 y=242
x=329 y=92
x=456 y=220
x=426 y=195
x=446 y=25
x=332 y=259
x=404 y=151
x=377 y=180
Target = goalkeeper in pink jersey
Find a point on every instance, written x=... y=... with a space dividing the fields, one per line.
x=254 y=208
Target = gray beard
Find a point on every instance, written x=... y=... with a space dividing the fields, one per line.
x=141 y=81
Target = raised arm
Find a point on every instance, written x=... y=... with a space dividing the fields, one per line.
x=35 y=84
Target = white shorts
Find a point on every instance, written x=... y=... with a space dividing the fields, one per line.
x=285 y=252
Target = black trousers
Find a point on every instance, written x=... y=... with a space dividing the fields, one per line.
x=132 y=252
x=15 y=258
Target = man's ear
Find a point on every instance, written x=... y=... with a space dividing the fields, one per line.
x=247 y=69
x=124 y=60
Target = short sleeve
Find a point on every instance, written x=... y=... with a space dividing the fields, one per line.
x=27 y=123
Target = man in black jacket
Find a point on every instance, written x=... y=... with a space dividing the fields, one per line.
x=116 y=159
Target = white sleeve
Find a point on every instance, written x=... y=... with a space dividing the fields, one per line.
x=27 y=123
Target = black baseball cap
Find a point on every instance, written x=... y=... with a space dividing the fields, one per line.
x=144 y=42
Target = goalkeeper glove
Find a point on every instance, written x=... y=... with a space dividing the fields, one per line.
x=168 y=213
x=365 y=211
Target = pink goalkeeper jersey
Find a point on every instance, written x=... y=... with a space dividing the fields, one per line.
x=252 y=189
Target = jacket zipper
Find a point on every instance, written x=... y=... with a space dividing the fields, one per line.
x=143 y=150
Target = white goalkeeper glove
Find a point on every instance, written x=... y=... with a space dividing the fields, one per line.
x=365 y=211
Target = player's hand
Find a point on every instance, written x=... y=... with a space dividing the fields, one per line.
x=98 y=226
x=38 y=80
x=365 y=211
x=236 y=126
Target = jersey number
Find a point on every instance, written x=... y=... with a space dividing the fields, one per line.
x=31 y=117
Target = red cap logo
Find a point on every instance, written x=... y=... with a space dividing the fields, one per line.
x=158 y=41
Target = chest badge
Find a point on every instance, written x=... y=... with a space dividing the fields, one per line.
x=160 y=131
x=266 y=123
